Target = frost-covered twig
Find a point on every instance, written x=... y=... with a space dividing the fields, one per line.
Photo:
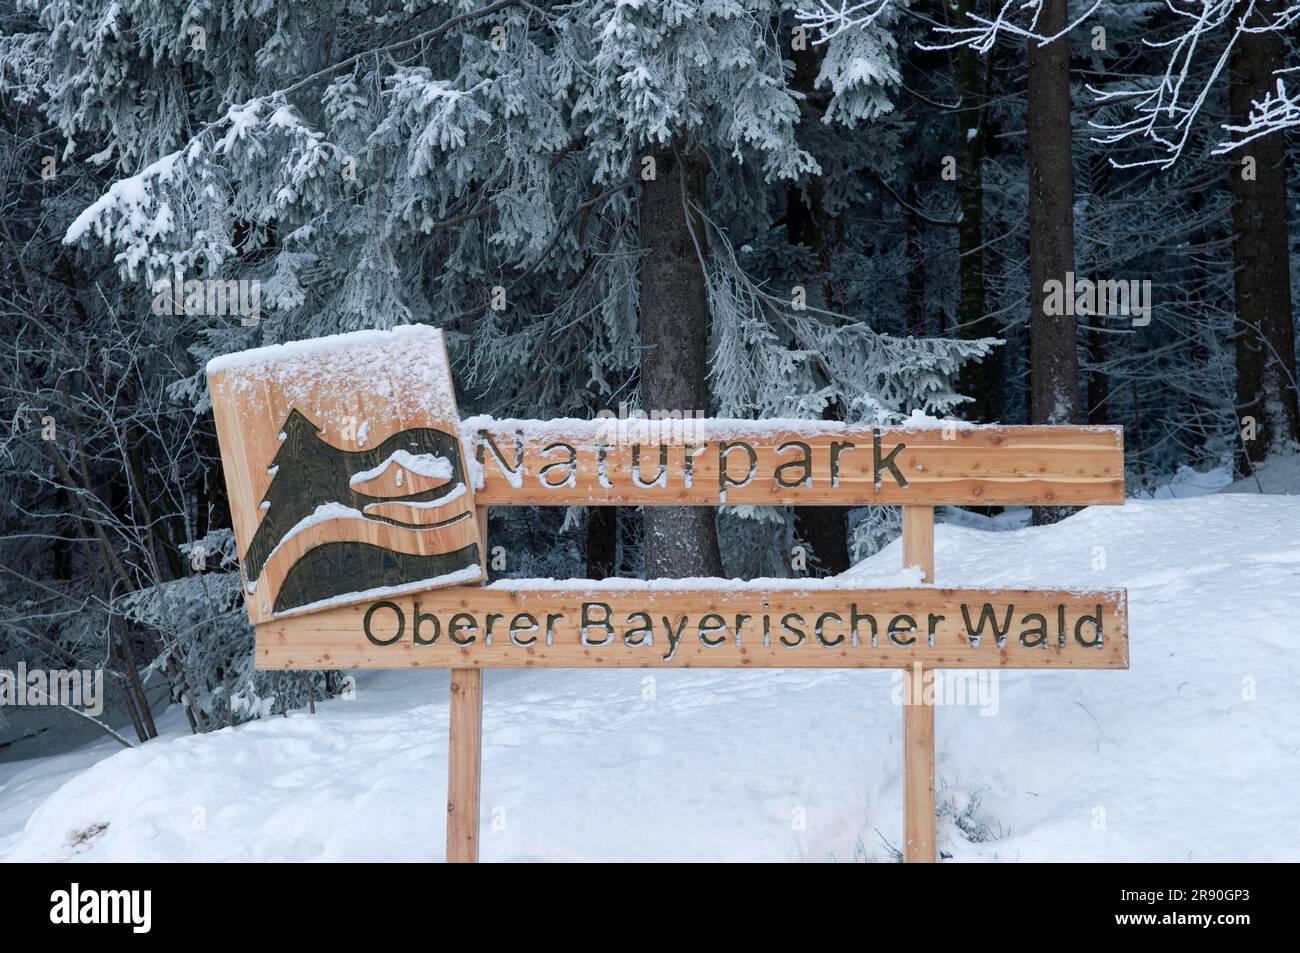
x=826 y=20
x=1274 y=113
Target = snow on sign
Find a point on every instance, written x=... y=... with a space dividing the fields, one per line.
x=359 y=502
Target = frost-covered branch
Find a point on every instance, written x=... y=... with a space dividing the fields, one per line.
x=1166 y=113
x=773 y=359
x=1015 y=19
x=106 y=729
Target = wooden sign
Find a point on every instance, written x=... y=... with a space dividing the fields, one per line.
x=709 y=462
x=357 y=509
x=345 y=469
x=659 y=625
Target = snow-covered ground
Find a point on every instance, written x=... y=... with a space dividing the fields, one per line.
x=1192 y=754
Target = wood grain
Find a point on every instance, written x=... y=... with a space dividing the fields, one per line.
x=704 y=624
x=961 y=466
x=918 y=540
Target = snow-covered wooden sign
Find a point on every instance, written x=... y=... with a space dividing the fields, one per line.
x=710 y=462
x=708 y=624
x=359 y=501
x=345 y=470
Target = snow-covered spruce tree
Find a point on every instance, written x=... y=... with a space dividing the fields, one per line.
x=107 y=486
x=422 y=166
x=430 y=166
x=725 y=147
x=108 y=482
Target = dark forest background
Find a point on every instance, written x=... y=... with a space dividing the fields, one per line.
x=745 y=207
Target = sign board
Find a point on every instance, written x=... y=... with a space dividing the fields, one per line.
x=357 y=496
x=776 y=463
x=659 y=625
x=346 y=473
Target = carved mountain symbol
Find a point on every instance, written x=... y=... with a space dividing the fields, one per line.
x=314 y=482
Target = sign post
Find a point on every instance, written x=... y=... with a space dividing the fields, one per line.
x=464 y=764
x=918 y=717
x=359 y=502
x=465 y=747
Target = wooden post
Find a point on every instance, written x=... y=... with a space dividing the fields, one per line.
x=918 y=717
x=464 y=765
x=465 y=748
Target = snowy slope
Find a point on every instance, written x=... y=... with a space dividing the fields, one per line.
x=1192 y=754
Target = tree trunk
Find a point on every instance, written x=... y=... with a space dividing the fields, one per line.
x=1098 y=340
x=1203 y=284
x=1053 y=359
x=824 y=528
x=1098 y=380
x=1265 y=343
x=119 y=652
x=916 y=299
x=679 y=540
x=602 y=541
x=981 y=381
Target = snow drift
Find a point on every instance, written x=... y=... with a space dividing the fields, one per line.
x=1189 y=755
